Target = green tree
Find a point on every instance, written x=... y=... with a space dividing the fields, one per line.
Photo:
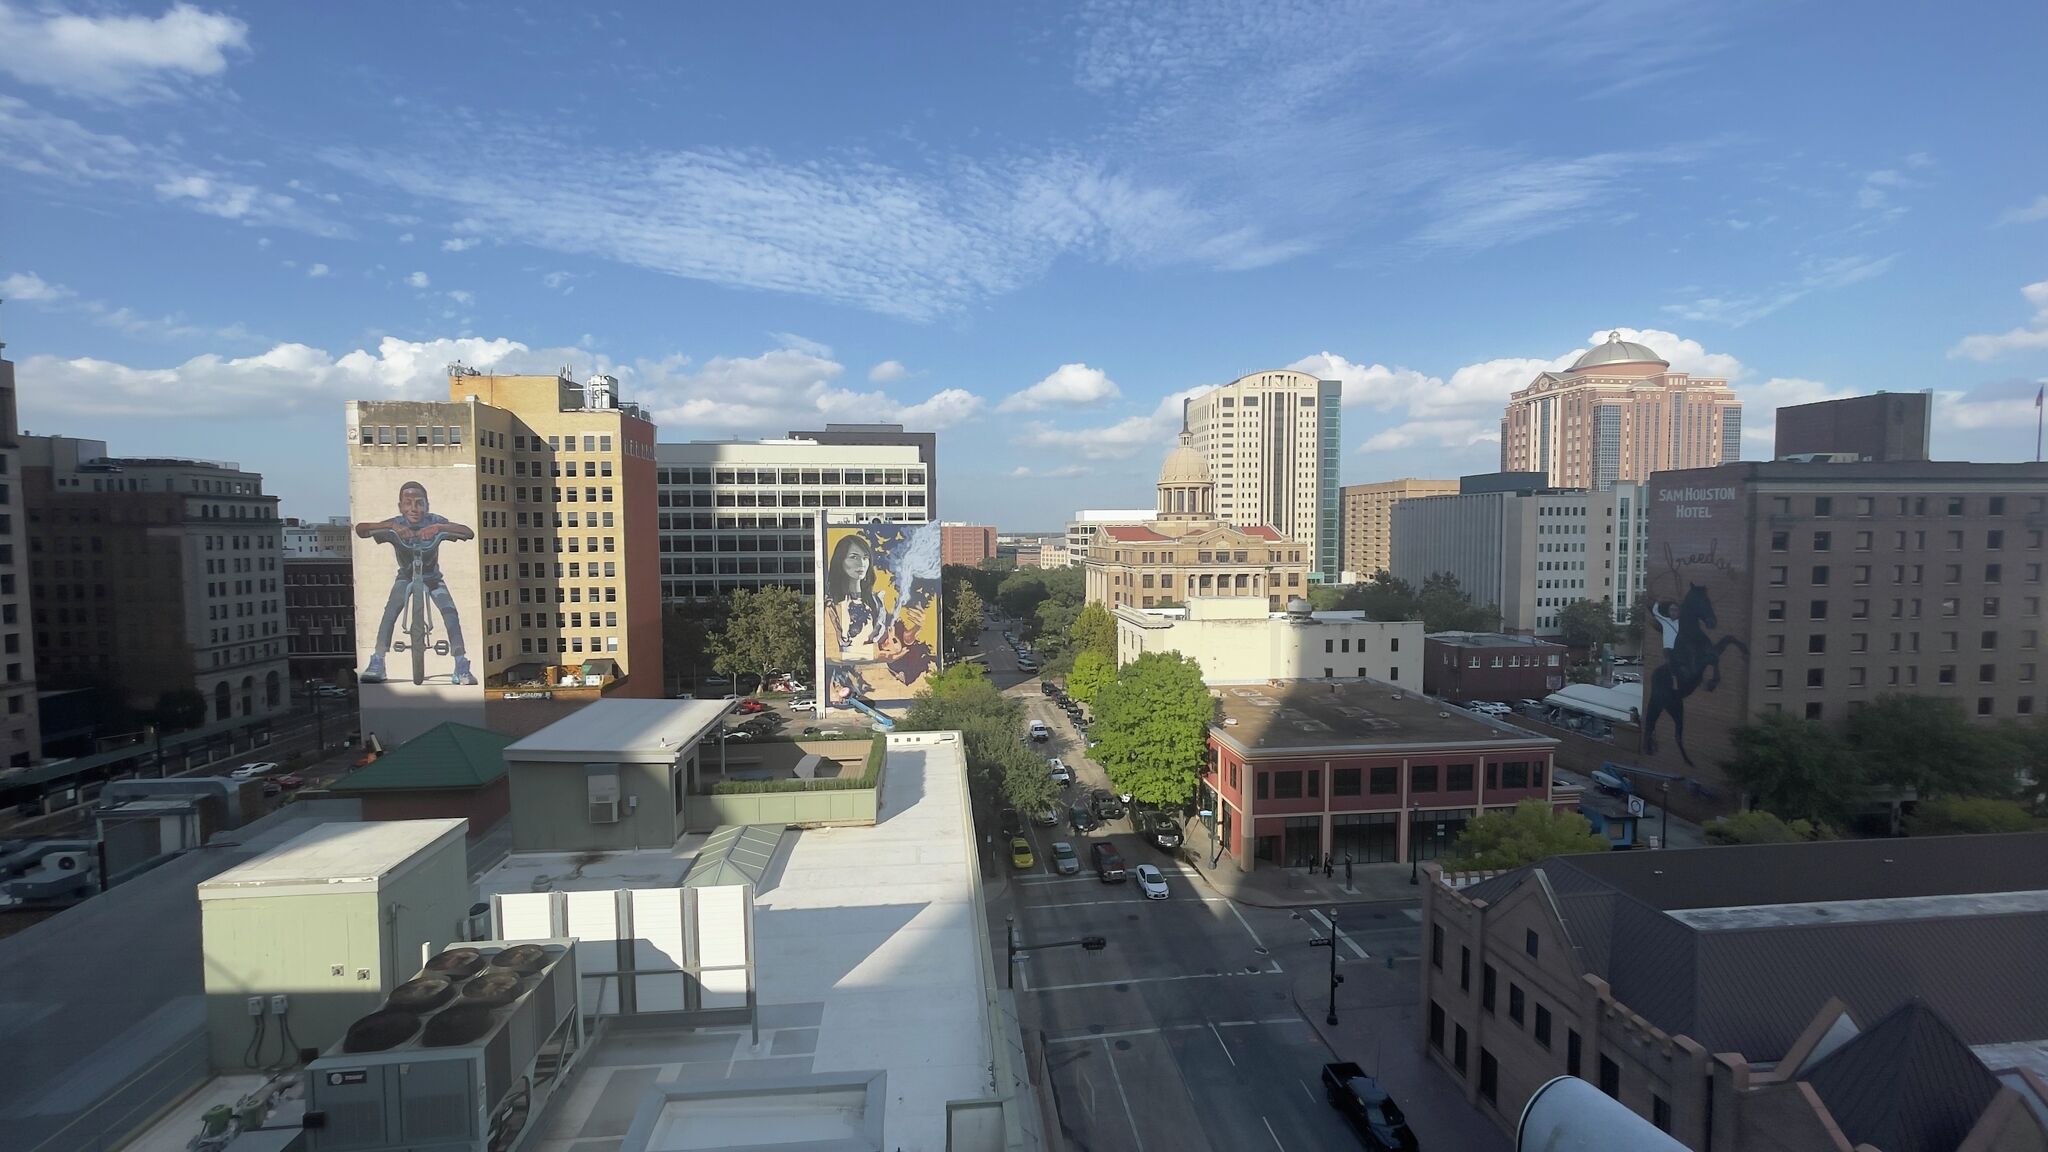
x=1927 y=743
x=1588 y=624
x=1638 y=624
x=1533 y=831
x=966 y=616
x=1953 y=815
x=1328 y=597
x=1446 y=608
x=178 y=709
x=767 y=630
x=1021 y=592
x=1092 y=672
x=1795 y=768
x=1055 y=620
x=686 y=637
x=1026 y=781
x=1384 y=597
x=1760 y=827
x=1583 y=672
x=1153 y=724
x=1093 y=630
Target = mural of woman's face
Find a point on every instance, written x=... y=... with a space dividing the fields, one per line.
x=856 y=563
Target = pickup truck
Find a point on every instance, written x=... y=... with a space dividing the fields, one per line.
x=1374 y=1116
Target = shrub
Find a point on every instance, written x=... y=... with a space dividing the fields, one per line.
x=870 y=777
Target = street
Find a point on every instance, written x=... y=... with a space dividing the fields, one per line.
x=1198 y=1026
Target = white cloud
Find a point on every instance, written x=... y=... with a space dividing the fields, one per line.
x=405 y=237
x=2031 y=337
x=459 y=243
x=121 y=58
x=317 y=271
x=418 y=280
x=462 y=297
x=563 y=282
x=2031 y=214
x=1814 y=276
x=1068 y=386
x=1064 y=471
x=887 y=372
x=778 y=390
x=27 y=286
x=802 y=344
x=1149 y=434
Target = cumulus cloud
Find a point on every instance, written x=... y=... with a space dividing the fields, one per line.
x=1069 y=386
x=1062 y=472
x=459 y=243
x=2030 y=214
x=417 y=280
x=462 y=297
x=27 y=286
x=119 y=58
x=887 y=372
x=317 y=271
x=1147 y=434
x=405 y=237
x=779 y=389
x=2031 y=336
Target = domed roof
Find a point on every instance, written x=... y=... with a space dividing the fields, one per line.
x=1618 y=351
x=1184 y=466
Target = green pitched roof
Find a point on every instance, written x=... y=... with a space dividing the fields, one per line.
x=448 y=755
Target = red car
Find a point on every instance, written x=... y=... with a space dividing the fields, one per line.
x=290 y=782
x=750 y=706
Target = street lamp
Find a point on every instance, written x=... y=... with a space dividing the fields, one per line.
x=1329 y=942
x=1021 y=951
x=1664 y=834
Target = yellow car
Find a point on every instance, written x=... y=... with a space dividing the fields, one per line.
x=1020 y=855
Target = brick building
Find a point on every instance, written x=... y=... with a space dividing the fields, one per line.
x=1812 y=588
x=968 y=544
x=320 y=618
x=1461 y=666
x=1369 y=521
x=1856 y=993
x=1358 y=769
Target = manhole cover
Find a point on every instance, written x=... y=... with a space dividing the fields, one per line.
x=1260 y=951
x=1123 y=1045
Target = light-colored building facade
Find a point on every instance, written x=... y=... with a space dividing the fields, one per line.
x=1238 y=640
x=1369 y=521
x=21 y=739
x=1087 y=522
x=155 y=575
x=317 y=538
x=1271 y=441
x=1616 y=415
x=1526 y=549
x=743 y=513
x=550 y=574
x=1052 y=553
x=1185 y=551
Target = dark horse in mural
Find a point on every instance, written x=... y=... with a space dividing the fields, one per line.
x=1691 y=659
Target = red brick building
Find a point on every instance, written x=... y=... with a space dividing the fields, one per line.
x=1300 y=768
x=1461 y=666
x=968 y=544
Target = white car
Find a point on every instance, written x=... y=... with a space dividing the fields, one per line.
x=1151 y=883
x=1060 y=775
x=252 y=771
x=804 y=703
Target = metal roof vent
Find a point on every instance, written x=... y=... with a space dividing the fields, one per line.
x=460 y=1024
x=1300 y=611
x=382 y=1029
x=457 y=963
x=422 y=993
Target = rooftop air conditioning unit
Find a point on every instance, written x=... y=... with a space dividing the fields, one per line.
x=458 y=1058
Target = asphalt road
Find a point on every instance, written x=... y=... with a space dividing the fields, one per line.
x=1183 y=1033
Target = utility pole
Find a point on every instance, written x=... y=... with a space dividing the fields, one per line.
x=1330 y=942
x=1664 y=836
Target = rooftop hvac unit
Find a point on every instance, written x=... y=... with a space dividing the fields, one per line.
x=458 y=1059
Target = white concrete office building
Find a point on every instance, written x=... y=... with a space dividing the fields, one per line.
x=1238 y=640
x=1271 y=442
x=743 y=513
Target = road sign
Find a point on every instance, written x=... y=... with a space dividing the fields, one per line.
x=1635 y=805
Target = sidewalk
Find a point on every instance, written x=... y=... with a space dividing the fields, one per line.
x=1271 y=886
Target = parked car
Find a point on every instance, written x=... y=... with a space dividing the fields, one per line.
x=1627 y=678
x=1010 y=822
x=1060 y=775
x=1049 y=688
x=1374 y=1116
x=330 y=692
x=1151 y=883
x=1081 y=820
x=1529 y=705
x=1046 y=817
x=1109 y=867
x=734 y=734
x=1063 y=858
x=1020 y=855
x=290 y=782
x=1039 y=732
x=750 y=706
x=804 y=703
x=1158 y=826
x=252 y=771
x=1106 y=805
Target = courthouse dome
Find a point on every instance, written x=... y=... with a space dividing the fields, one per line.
x=1618 y=351
x=1184 y=466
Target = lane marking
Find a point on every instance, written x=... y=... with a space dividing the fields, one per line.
x=1270 y=1132
x=1246 y=924
x=1163 y=1028
x=1272 y=969
x=1222 y=1045
x=1334 y=930
x=1132 y=1120
x=1304 y=1088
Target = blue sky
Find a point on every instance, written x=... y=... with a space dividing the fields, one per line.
x=1032 y=228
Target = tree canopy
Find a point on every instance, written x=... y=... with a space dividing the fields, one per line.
x=1951 y=815
x=966 y=616
x=766 y=630
x=1795 y=768
x=1760 y=827
x=1440 y=603
x=1093 y=630
x=1928 y=743
x=1533 y=831
x=1153 y=724
x=1092 y=672
x=1000 y=769
x=1588 y=623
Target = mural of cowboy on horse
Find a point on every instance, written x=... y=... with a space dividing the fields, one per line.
x=1692 y=659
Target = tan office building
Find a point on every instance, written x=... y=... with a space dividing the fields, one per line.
x=539 y=584
x=21 y=740
x=1616 y=415
x=1271 y=441
x=1187 y=552
x=1369 y=521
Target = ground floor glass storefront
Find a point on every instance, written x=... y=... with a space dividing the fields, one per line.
x=1366 y=837
x=1432 y=834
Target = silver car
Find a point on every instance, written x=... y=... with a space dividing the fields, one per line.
x=1064 y=859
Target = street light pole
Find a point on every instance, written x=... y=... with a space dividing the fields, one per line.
x=1330 y=942
x=1664 y=835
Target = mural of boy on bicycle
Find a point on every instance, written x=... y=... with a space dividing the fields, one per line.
x=415 y=535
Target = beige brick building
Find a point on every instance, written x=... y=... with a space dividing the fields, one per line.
x=1616 y=415
x=1369 y=516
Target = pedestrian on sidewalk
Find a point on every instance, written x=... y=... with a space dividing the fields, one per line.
x=1347 y=869
x=1327 y=868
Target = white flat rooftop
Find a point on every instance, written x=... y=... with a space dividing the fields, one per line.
x=580 y=872
x=631 y=730
x=335 y=857
x=870 y=957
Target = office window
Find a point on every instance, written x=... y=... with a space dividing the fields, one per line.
x=1817 y=642
x=1458 y=1050
x=1774 y=610
x=1816 y=610
x=1487 y=979
x=1660 y=1112
x=1571 y=1052
x=1781 y=541
x=1610 y=1077
x=1422 y=778
x=1346 y=782
x=1489 y=1076
x=1436 y=946
x=1515 y=1002
x=1543 y=1025
x=1386 y=780
x=1778 y=576
x=1464 y=969
x=1816 y=677
x=1774 y=645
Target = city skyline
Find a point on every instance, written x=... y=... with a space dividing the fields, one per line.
x=1033 y=234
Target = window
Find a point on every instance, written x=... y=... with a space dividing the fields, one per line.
x=1458 y=1050
x=1386 y=780
x=1610 y=1077
x=1823 y=506
x=1571 y=1052
x=1436 y=946
x=1543 y=1025
x=1436 y=1026
x=1259 y=784
x=1820 y=575
x=1487 y=979
x=1515 y=1002
x=1817 y=642
x=1778 y=576
x=1489 y=1076
x=1781 y=541
x=1816 y=677
x=1774 y=645
x=1823 y=541
x=1464 y=969
x=1422 y=778
x=1774 y=610
x=1346 y=782
x=1816 y=610
x=1458 y=778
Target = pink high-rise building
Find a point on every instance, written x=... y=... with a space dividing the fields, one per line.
x=1616 y=415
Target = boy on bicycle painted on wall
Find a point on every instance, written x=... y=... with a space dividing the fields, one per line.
x=415 y=529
